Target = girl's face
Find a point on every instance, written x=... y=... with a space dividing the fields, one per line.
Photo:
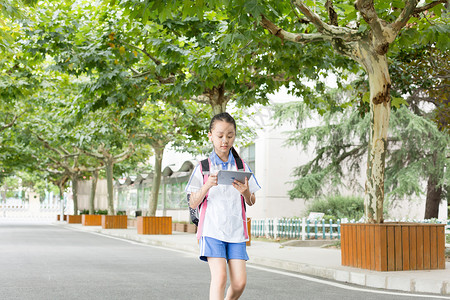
x=222 y=136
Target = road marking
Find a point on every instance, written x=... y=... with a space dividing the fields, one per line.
x=343 y=286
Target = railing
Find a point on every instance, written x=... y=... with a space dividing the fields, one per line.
x=27 y=211
x=296 y=228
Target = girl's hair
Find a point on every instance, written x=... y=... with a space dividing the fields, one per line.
x=225 y=117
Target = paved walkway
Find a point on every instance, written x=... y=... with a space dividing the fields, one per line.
x=320 y=262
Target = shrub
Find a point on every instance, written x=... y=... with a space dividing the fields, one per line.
x=339 y=207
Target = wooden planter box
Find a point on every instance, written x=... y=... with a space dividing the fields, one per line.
x=393 y=246
x=72 y=219
x=114 y=222
x=191 y=228
x=58 y=218
x=154 y=225
x=180 y=227
x=91 y=220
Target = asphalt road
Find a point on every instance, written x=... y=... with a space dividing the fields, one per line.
x=52 y=262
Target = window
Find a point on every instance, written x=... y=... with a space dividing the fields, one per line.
x=248 y=155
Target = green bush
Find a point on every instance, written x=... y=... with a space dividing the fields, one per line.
x=339 y=207
x=101 y=212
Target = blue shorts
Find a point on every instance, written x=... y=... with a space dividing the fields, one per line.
x=210 y=247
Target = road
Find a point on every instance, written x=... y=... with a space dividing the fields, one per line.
x=52 y=262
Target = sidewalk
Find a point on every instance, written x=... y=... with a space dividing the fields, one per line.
x=320 y=262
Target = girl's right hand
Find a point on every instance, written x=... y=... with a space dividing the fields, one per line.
x=212 y=181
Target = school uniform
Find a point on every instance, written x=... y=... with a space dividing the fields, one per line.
x=224 y=224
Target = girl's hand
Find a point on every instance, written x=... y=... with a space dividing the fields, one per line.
x=242 y=187
x=212 y=181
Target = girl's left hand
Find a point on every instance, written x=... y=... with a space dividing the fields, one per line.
x=241 y=187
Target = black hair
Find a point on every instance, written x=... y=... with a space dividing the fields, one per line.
x=225 y=117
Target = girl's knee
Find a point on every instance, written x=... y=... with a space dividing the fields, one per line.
x=239 y=286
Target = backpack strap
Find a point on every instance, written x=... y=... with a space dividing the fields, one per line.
x=241 y=167
x=204 y=168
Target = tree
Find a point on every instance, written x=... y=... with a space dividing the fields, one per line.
x=164 y=124
x=416 y=154
x=367 y=44
x=365 y=40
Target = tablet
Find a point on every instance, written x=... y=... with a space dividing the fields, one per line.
x=227 y=177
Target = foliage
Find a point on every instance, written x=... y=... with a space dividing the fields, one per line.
x=339 y=207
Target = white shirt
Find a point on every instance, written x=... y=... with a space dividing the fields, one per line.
x=223 y=217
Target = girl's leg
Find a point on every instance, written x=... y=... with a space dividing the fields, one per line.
x=238 y=278
x=218 y=269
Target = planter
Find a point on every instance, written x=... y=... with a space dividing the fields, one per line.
x=58 y=218
x=91 y=220
x=393 y=246
x=191 y=228
x=154 y=225
x=114 y=222
x=72 y=219
x=180 y=227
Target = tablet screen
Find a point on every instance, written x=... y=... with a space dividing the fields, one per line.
x=227 y=177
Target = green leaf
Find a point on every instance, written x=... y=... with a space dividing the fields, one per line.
x=366 y=97
x=398 y=101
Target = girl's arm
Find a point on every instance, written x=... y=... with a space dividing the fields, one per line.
x=196 y=198
x=250 y=199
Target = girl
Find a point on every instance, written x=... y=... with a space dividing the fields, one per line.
x=222 y=232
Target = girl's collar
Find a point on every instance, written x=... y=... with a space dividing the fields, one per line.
x=217 y=161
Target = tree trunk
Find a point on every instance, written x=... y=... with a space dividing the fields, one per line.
x=380 y=107
x=153 y=204
x=61 y=198
x=75 y=193
x=109 y=184
x=434 y=194
x=93 y=190
x=218 y=108
x=218 y=100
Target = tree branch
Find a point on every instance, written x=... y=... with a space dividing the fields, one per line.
x=331 y=13
x=126 y=154
x=47 y=145
x=10 y=124
x=92 y=154
x=404 y=16
x=154 y=59
x=292 y=37
x=330 y=31
x=428 y=6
